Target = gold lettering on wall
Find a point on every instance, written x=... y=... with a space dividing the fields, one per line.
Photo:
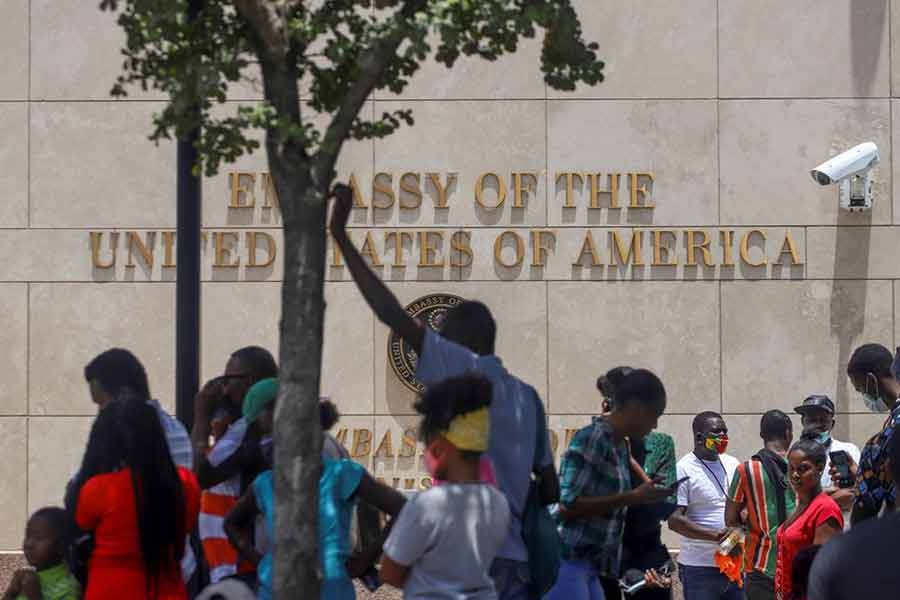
x=662 y=251
x=169 y=246
x=410 y=186
x=96 y=242
x=358 y=200
x=145 y=250
x=368 y=249
x=242 y=184
x=570 y=178
x=479 y=191
x=252 y=257
x=441 y=190
x=789 y=248
x=612 y=190
x=745 y=248
x=380 y=190
x=590 y=248
x=693 y=245
x=625 y=253
x=640 y=192
x=270 y=194
x=427 y=249
x=727 y=240
x=540 y=246
x=224 y=250
x=460 y=242
x=523 y=185
x=520 y=249
x=399 y=238
x=362 y=443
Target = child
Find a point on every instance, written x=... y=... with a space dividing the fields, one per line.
x=47 y=536
x=341 y=483
x=446 y=538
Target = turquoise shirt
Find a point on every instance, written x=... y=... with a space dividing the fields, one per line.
x=337 y=499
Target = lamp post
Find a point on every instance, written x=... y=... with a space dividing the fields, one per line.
x=187 y=282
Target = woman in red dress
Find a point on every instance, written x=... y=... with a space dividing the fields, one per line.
x=816 y=519
x=138 y=505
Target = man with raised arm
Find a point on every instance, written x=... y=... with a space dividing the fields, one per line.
x=464 y=344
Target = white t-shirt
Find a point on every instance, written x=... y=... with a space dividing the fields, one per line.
x=448 y=536
x=704 y=495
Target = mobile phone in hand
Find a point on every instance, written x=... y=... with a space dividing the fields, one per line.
x=841 y=462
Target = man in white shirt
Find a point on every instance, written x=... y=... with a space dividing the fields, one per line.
x=817 y=417
x=700 y=516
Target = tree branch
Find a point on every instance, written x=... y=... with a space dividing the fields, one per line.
x=268 y=19
x=372 y=67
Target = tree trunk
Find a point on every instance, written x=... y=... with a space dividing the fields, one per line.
x=298 y=432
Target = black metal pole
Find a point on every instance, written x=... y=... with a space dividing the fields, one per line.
x=187 y=283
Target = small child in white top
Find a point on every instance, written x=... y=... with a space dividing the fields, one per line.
x=444 y=540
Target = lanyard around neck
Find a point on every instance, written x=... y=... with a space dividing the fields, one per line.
x=716 y=477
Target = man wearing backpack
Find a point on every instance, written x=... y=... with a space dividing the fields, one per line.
x=466 y=344
x=760 y=486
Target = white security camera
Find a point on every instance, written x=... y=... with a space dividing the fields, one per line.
x=853 y=170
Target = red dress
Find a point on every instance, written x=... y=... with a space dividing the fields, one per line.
x=106 y=506
x=798 y=535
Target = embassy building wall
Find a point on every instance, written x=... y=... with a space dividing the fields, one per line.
x=665 y=219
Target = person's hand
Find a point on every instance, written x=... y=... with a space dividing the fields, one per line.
x=357 y=565
x=341 y=207
x=832 y=470
x=650 y=492
x=655 y=580
x=209 y=395
x=845 y=497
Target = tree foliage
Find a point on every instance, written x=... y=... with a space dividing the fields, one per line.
x=327 y=43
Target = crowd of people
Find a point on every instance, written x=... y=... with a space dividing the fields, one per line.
x=156 y=512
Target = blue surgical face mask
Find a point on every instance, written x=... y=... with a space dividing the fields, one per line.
x=823 y=438
x=873 y=401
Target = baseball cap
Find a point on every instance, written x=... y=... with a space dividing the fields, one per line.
x=816 y=401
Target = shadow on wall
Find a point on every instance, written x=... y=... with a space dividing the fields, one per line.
x=868 y=20
x=848 y=306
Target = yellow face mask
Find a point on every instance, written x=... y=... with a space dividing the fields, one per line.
x=470 y=431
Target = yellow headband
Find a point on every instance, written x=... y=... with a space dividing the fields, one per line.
x=469 y=431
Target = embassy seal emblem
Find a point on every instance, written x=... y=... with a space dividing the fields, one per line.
x=430 y=310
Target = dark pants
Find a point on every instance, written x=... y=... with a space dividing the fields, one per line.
x=707 y=583
x=611 y=588
x=759 y=586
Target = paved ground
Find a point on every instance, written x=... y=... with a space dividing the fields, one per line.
x=10 y=562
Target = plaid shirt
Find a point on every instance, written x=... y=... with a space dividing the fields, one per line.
x=874 y=487
x=595 y=465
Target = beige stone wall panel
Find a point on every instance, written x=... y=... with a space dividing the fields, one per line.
x=237 y=315
x=13 y=497
x=652 y=49
x=673 y=139
x=55 y=449
x=14 y=339
x=14 y=51
x=92 y=166
x=670 y=328
x=853 y=252
x=520 y=311
x=769 y=147
x=467 y=138
x=782 y=341
x=91 y=58
x=72 y=323
x=804 y=49
x=511 y=77
x=14 y=164
x=563 y=246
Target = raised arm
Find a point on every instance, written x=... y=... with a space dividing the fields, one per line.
x=385 y=305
